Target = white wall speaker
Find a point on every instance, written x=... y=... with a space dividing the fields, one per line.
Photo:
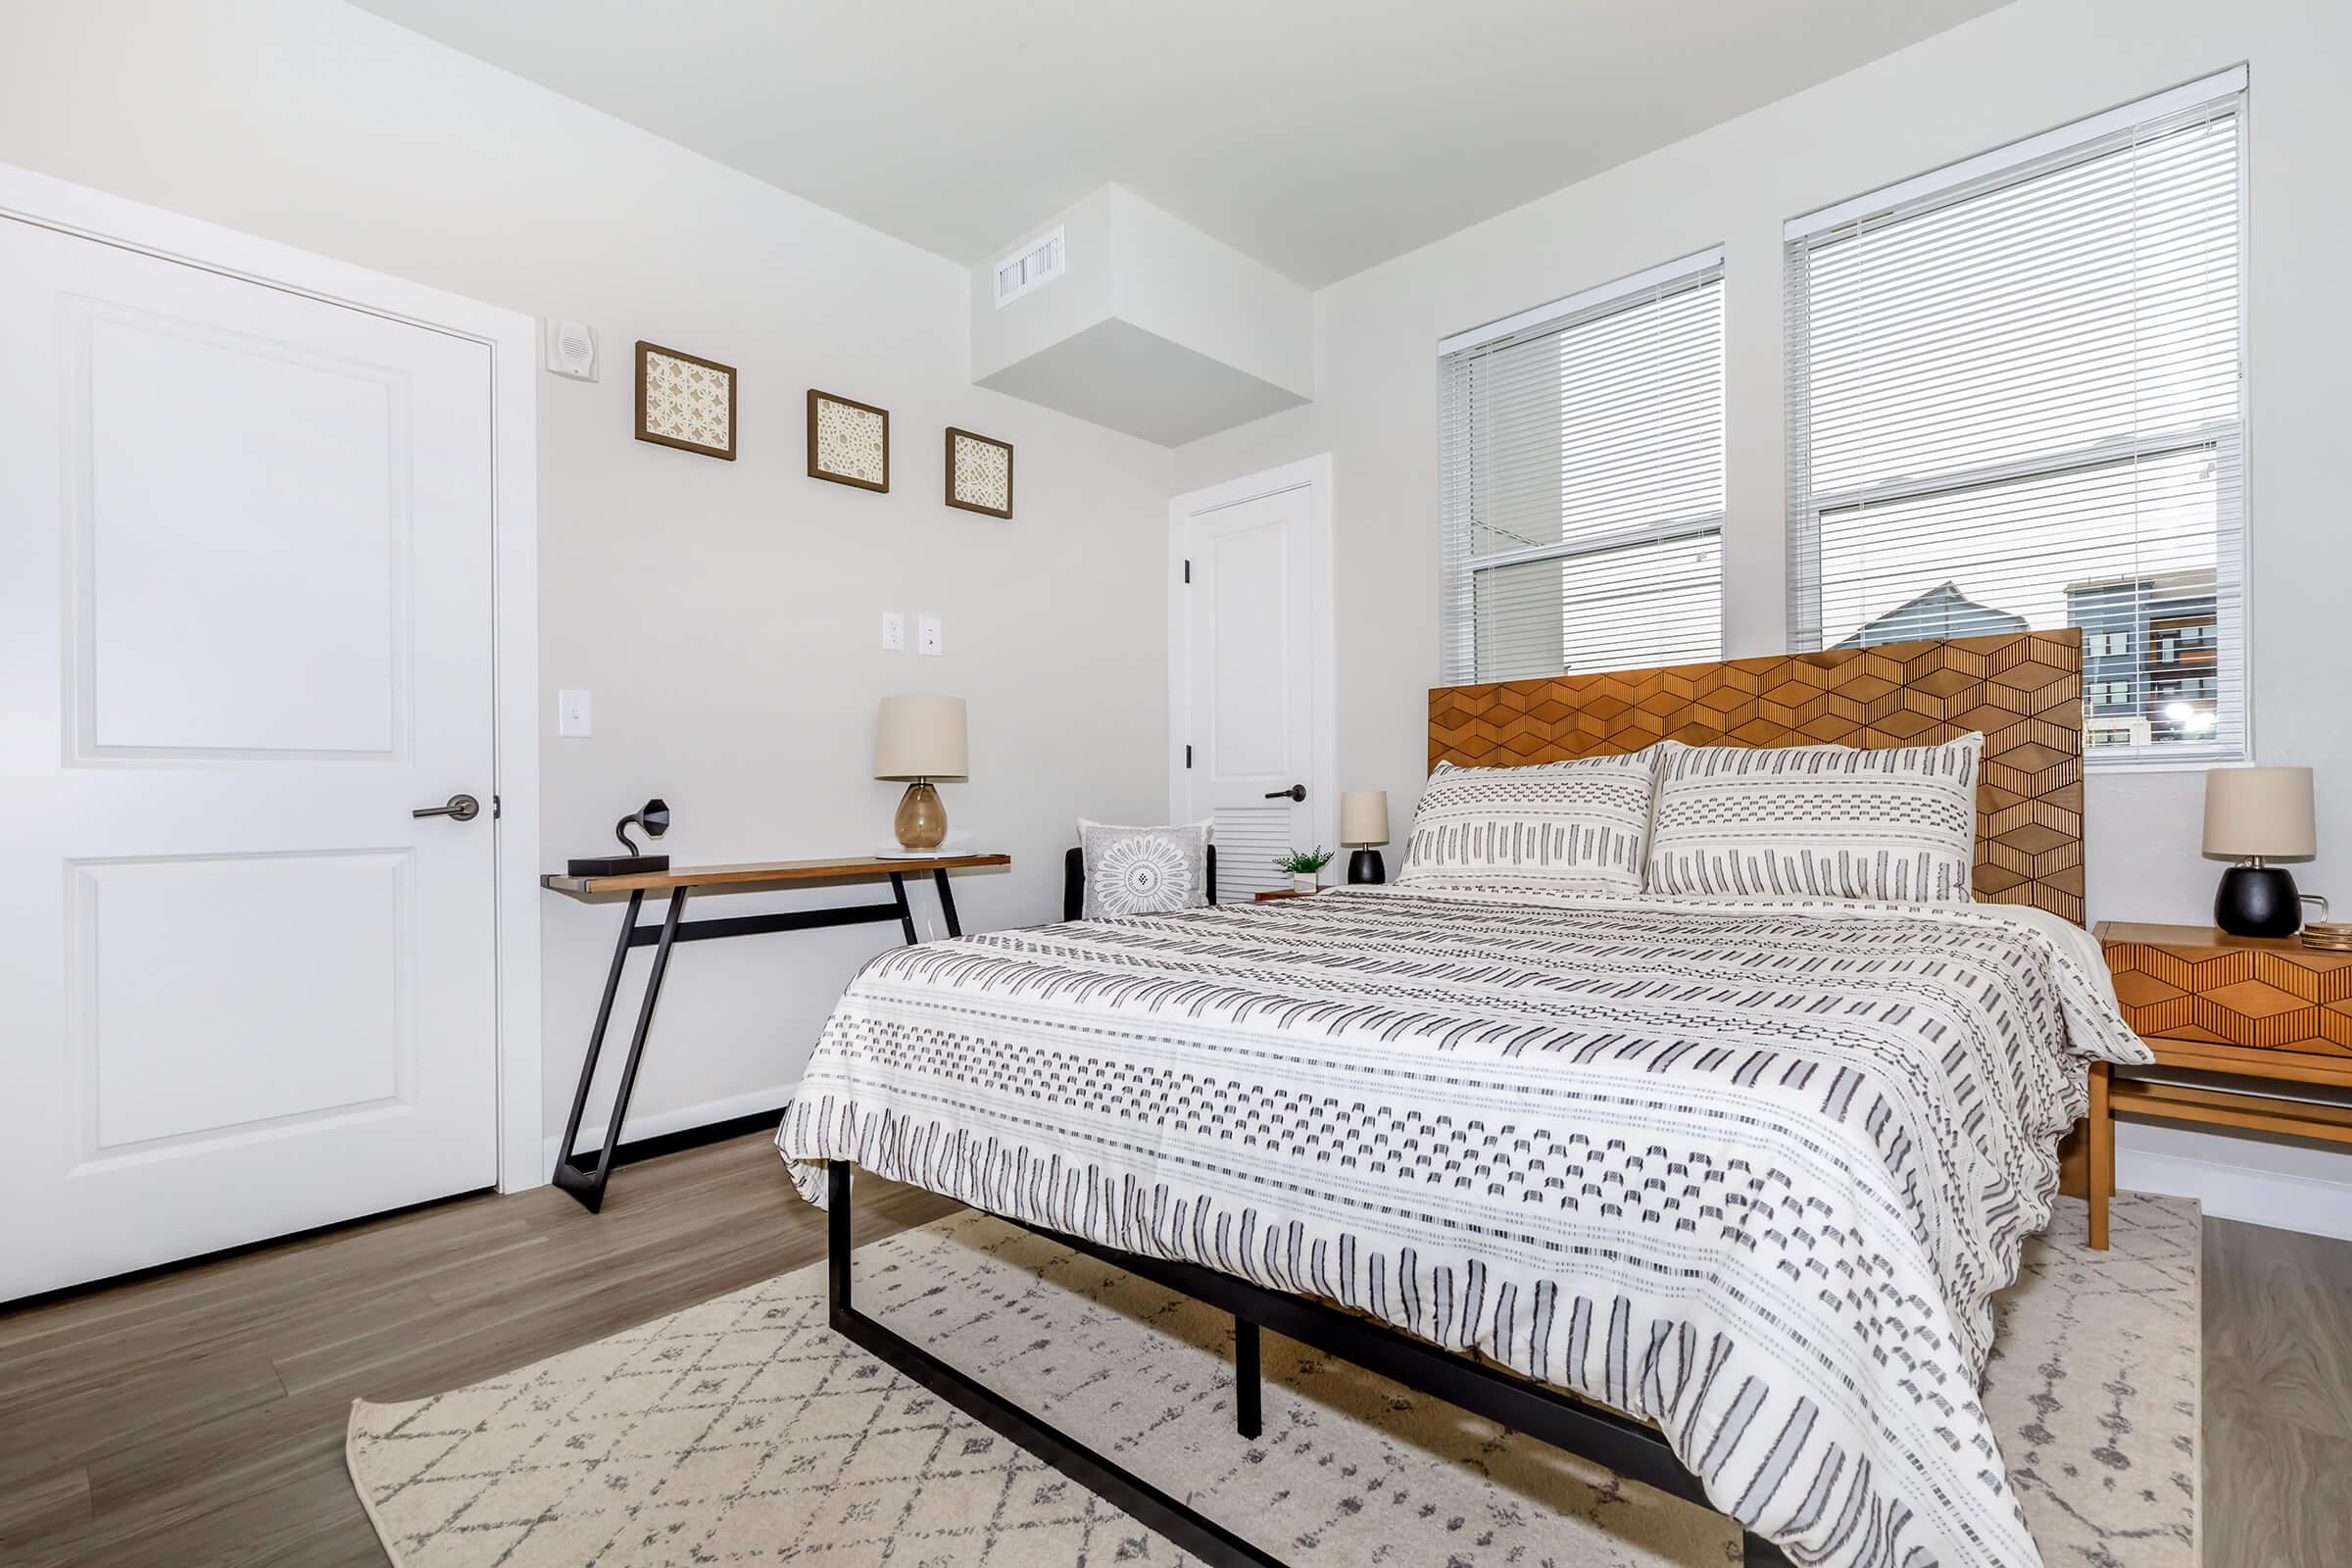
x=571 y=349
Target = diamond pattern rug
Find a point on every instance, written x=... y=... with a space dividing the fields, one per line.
x=744 y=1431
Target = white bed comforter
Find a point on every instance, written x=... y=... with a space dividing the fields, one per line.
x=1752 y=1171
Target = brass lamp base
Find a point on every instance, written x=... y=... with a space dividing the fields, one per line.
x=923 y=819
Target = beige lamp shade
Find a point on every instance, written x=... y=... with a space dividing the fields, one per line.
x=921 y=738
x=2259 y=813
x=1364 y=818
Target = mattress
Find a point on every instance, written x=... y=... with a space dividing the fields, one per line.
x=1752 y=1171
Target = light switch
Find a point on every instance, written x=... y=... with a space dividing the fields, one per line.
x=926 y=634
x=894 y=631
x=571 y=712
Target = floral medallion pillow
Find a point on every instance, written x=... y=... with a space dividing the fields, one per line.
x=1142 y=870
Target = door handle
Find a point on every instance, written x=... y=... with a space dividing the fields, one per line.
x=462 y=807
x=1296 y=792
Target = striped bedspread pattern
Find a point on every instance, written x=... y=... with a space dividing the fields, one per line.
x=1749 y=1172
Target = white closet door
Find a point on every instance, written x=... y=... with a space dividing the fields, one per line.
x=1252 y=685
x=245 y=620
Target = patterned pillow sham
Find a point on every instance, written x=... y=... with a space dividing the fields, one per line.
x=1548 y=827
x=1142 y=870
x=1826 y=821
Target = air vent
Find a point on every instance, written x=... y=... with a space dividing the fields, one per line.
x=1033 y=266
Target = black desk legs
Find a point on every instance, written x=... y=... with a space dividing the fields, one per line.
x=898 y=891
x=574 y=1173
x=946 y=905
x=946 y=902
x=588 y=1185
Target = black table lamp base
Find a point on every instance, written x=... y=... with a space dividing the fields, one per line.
x=1365 y=866
x=653 y=817
x=2258 y=901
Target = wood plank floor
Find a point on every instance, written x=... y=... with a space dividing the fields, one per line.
x=198 y=1416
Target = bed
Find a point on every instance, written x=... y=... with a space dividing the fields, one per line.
x=1717 y=1189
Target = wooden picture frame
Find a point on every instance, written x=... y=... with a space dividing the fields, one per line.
x=977 y=500
x=868 y=479
x=660 y=418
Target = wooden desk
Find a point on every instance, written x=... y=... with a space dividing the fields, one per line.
x=573 y=1171
x=2223 y=1015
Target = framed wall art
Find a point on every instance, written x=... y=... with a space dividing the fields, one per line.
x=685 y=400
x=849 y=442
x=979 y=473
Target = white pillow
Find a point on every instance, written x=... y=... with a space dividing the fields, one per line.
x=1142 y=870
x=1825 y=821
x=1549 y=827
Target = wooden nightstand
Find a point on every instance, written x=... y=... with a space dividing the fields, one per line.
x=2232 y=1020
x=1281 y=893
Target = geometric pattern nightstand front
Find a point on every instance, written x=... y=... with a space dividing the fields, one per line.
x=2196 y=986
x=2209 y=1003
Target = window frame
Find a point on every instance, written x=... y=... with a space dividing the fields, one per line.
x=2067 y=146
x=1458 y=568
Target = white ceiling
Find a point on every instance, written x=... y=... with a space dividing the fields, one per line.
x=1320 y=137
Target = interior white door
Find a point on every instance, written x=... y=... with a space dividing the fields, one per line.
x=245 y=628
x=1252 y=707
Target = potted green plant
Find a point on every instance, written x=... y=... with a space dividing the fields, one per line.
x=1303 y=865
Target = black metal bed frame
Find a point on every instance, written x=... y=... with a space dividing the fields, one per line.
x=1630 y=1447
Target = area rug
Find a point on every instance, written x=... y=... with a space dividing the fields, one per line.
x=744 y=1431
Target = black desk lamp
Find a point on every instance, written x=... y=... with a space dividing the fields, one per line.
x=653 y=818
x=1364 y=825
x=2255 y=816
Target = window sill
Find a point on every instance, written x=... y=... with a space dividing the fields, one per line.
x=2161 y=765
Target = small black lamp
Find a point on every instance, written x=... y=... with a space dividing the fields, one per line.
x=653 y=818
x=2254 y=815
x=1364 y=823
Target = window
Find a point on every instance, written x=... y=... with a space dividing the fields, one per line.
x=2015 y=401
x=1582 y=483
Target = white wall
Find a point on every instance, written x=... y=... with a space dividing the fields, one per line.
x=725 y=615
x=1172 y=280
x=2024 y=68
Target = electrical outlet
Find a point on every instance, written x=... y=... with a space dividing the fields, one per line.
x=926 y=634
x=571 y=713
x=894 y=631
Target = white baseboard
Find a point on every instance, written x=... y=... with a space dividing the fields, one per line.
x=643 y=1125
x=2287 y=1199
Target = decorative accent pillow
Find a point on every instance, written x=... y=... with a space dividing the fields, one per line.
x=1549 y=827
x=1142 y=870
x=1823 y=821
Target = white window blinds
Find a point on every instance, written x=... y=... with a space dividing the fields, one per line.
x=2016 y=400
x=1582 y=482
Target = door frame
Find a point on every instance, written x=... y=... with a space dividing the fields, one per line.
x=511 y=338
x=1313 y=476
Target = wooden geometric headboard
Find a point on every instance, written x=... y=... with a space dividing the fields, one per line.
x=2023 y=689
